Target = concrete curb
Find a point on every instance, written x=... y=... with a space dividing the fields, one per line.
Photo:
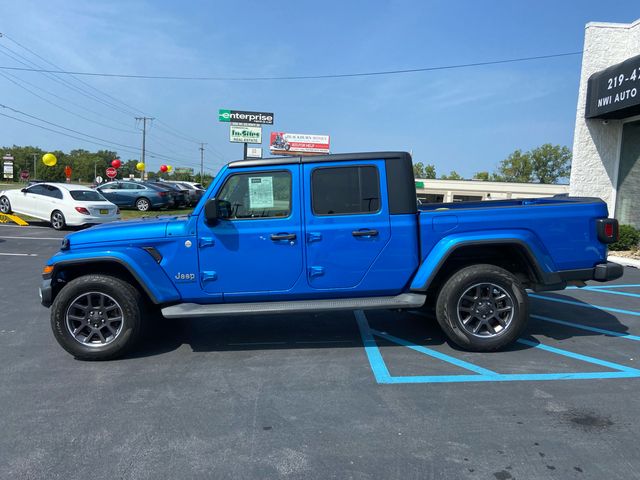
x=627 y=262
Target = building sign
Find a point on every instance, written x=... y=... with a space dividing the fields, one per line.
x=184 y=170
x=615 y=92
x=254 y=152
x=245 y=118
x=245 y=134
x=293 y=143
x=7 y=166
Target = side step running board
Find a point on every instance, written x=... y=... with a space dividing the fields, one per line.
x=404 y=300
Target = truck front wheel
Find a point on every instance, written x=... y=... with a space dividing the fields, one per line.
x=97 y=317
x=482 y=308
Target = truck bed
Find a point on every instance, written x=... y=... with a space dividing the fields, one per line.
x=561 y=230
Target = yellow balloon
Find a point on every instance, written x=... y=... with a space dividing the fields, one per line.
x=140 y=166
x=49 y=159
x=169 y=168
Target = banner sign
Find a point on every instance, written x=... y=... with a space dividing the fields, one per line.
x=254 y=152
x=245 y=134
x=615 y=92
x=290 y=143
x=241 y=117
x=7 y=166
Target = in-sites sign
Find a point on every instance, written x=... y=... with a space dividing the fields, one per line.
x=238 y=116
x=282 y=142
x=245 y=134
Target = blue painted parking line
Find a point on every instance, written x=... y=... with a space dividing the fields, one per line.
x=585 y=305
x=587 y=327
x=602 y=287
x=611 y=292
x=382 y=375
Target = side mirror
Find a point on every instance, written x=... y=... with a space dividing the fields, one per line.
x=24 y=190
x=215 y=210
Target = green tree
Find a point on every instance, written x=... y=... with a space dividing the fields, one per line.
x=544 y=164
x=517 y=167
x=453 y=175
x=481 y=176
x=420 y=170
x=550 y=163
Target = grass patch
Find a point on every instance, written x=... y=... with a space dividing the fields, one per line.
x=135 y=214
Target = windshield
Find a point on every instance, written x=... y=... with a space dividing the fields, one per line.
x=87 y=196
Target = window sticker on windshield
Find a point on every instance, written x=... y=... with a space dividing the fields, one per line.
x=260 y=192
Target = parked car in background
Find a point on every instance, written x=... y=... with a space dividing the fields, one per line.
x=192 y=192
x=139 y=195
x=61 y=204
x=178 y=193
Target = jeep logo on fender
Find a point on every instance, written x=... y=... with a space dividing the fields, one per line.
x=238 y=116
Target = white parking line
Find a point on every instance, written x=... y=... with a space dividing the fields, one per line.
x=22 y=226
x=19 y=254
x=32 y=238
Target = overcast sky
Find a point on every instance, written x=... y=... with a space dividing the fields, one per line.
x=465 y=119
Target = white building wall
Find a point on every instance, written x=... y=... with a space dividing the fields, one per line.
x=596 y=144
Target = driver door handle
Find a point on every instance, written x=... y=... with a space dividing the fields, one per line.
x=283 y=236
x=364 y=233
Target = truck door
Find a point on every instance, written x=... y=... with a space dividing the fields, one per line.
x=258 y=248
x=346 y=219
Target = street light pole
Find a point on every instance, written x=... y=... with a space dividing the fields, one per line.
x=35 y=172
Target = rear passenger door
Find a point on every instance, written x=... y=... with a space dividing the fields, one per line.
x=346 y=219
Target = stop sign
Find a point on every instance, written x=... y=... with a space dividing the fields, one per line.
x=67 y=171
x=24 y=175
x=111 y=172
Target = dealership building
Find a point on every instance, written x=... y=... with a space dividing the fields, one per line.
x=606 y=148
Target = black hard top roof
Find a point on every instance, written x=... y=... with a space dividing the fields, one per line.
x=337 y=157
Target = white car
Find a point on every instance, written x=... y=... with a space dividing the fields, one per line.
x=61 y=204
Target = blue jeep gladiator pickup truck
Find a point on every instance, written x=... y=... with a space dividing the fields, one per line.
x=334 y=232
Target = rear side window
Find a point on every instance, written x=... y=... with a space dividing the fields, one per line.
x=345 y=190
x=86 y=196
x=258 y=195
x=54 y=192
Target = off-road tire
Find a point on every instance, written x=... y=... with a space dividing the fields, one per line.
x=449 y=301
x=129 y=300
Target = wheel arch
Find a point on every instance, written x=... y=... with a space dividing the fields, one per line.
x=142 y=272
x=512 y=254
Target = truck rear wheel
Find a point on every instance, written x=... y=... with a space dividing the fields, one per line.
x=97 y=317
x=482 y=308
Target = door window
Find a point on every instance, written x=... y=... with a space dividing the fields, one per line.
x=53 y=192
x=257 y=195
x=38 y=190
x=345 y=190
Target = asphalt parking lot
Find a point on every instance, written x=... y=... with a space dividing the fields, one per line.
x=339 y=395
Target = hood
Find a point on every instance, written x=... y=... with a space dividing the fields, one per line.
x=127 y=231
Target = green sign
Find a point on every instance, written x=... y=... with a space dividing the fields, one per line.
x=241 y=116
x=239 y=134
x=186 y=170
x=419 y=184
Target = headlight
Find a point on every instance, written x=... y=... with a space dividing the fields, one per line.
x=66 y=244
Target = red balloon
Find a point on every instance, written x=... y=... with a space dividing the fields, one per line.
x=163 y=168
x=116 y=163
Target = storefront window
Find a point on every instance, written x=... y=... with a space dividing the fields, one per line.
x=628 y=194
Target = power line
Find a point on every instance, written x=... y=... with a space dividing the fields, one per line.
x=298 y=77
x=17 y=83
x=130 y=110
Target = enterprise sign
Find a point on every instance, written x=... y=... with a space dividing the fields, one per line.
x=615 y=92
x=238 y=116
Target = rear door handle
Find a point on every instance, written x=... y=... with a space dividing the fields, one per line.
x=283 y=236
x=364 y=233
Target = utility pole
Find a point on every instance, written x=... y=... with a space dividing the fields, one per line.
x=144 y=135
x=35 y=175
x=202 y=161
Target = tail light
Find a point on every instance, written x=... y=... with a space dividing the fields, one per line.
x=82 y=210
x=162 y=194
x=607 y=229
